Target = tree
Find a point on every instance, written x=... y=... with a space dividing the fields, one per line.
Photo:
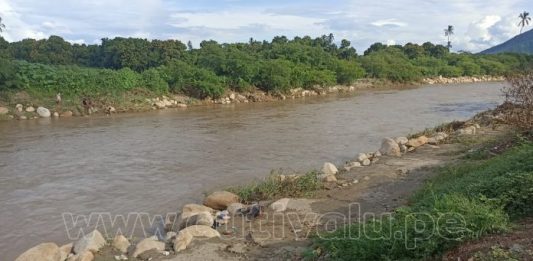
x=448 y=32
x=2 y=26
x=524 y=20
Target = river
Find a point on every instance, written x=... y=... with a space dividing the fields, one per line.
x=157 y=161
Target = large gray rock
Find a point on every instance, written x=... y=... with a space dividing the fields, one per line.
x=220 y=200
x=329 y=169
x=401 y=140
x=41 y=252
x=121 y=243
x=43 y=112
x=90 y=242
x=148 y=244
x=390 y=147
x=361 y=157
x=19 y=107
x=185 y=236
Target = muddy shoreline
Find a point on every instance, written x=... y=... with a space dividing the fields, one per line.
x=31 y=111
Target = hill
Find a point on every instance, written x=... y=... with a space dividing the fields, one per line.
x=522 y=43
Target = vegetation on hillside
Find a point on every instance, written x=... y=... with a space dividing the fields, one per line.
x=122 y=64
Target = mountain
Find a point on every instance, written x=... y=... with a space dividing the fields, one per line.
x=522 y=43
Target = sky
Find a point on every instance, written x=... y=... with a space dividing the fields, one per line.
x=479 y=24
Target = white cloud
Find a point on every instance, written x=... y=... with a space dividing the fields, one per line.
x=478 y=23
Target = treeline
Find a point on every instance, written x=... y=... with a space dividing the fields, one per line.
x=122 y=64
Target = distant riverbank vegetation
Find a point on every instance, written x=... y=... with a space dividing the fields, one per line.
x=123 y=65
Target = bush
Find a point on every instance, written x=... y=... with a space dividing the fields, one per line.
x=276 y=187
x=520 y=96
x=348 y=72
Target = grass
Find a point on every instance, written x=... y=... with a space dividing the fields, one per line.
x=275 y=186
x=473 y=198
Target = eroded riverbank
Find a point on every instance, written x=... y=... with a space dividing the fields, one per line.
x=158 y=161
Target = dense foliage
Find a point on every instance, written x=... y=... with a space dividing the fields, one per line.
x=466 y=201
x=122 y=64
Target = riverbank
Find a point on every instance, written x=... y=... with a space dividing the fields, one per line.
x=22 y=106
x=382 y=186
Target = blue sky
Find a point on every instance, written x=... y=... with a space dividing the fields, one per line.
x=478 y=23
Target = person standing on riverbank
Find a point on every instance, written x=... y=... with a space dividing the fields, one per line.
x=58 y=101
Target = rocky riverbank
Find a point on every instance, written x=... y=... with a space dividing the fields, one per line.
x=34 y=110
x=226 y=226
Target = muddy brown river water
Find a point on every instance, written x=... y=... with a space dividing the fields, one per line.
x=155 y=162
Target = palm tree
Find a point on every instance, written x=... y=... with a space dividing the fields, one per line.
x=524 y=20
x=2 y=26
x=449 y=32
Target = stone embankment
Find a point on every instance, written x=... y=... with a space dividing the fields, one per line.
x=463 y=79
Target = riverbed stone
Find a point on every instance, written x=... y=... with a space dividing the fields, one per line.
x=280 y=205
x=203 y=219
x=65 y=250
x=193 y=209
x=41 y=252
x=234 y=208
x=200 y=231
x=417 y=142
x=401 y=140
x=121 y=243
x=220 y=200
x=85 y=256
x=66 y=114
x=329 y=169
x=361 y=157
x=390 y=147
x=90 y=242
x=43 y=112
x=181 y=241
x=350 y=165
x=471 y=130
x=148 y=244
x=30 y=109
x=3 y=110
x=366 y=162
x=19 y=107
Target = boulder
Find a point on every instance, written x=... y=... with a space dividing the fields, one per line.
x=329 y=178
x=66 y=114
x=3 y=110
x=202 y=219
x=329 y=169
x=56 y=114
x=30 y=109
x=471 y=130
x=41 y=252
x=361 y=157
x=366 y=162
x=280 y=205
x=220 y=200
x=43 y=112
x=234 y=208
x=350 y=165
x=121 y=243
x=65 y=250
x=148 y=244
x=440 y=136
x=182 y=241
x=182 y=105
x=193 y=209
x=90 y=242
x=170 y=235
x=401 y=140
x=200 y=231
x=417 y=142
x=19 y=107
x=390 y=147
x=85 y=256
